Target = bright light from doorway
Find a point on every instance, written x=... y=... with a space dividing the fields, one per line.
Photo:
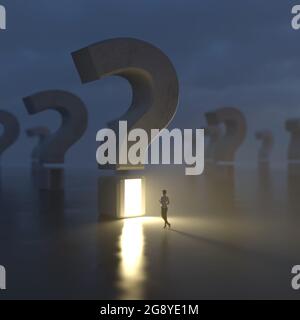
x=132 y=259
x=132 y=244
x=133 y=195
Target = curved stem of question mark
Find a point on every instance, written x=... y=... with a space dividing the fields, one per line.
x=293 y=127
x=149 y=71
x=266 y=147
x=42 y=133
x=235 y=132
x=11 y=130
x=74 y=122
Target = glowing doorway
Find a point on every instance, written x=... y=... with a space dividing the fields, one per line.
x=132 y=198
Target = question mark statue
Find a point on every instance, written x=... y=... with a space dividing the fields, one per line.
x=235 y=133
x=265 y=150
x=153 y=80
x=74 y=123
x=222 y=172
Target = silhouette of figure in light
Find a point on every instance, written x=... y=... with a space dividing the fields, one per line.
x=165 y=201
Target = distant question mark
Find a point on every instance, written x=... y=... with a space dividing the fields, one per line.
x=266 y=147
x=41 y=133
x=235 y=132
x=149 y=71
x=11 y=130
x=74 y=122
x=293 y=127
x=52 y=151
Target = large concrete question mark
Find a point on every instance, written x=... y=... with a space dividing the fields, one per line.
x=265 y=150
x=53 y=150
x=149 y=71
x=74 y=122
x=293 y=127
x=235 y=132
x=11 y=130
x=41 y=133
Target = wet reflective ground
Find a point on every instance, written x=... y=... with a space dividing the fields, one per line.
x=234 y=235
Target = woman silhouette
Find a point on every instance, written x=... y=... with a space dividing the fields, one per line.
x=165 y=201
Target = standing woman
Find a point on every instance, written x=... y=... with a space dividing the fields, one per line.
x=164 y=201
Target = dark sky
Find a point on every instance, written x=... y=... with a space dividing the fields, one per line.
x=240 y=53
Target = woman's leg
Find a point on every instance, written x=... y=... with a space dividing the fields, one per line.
x=164 y=216
x=167 y=222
